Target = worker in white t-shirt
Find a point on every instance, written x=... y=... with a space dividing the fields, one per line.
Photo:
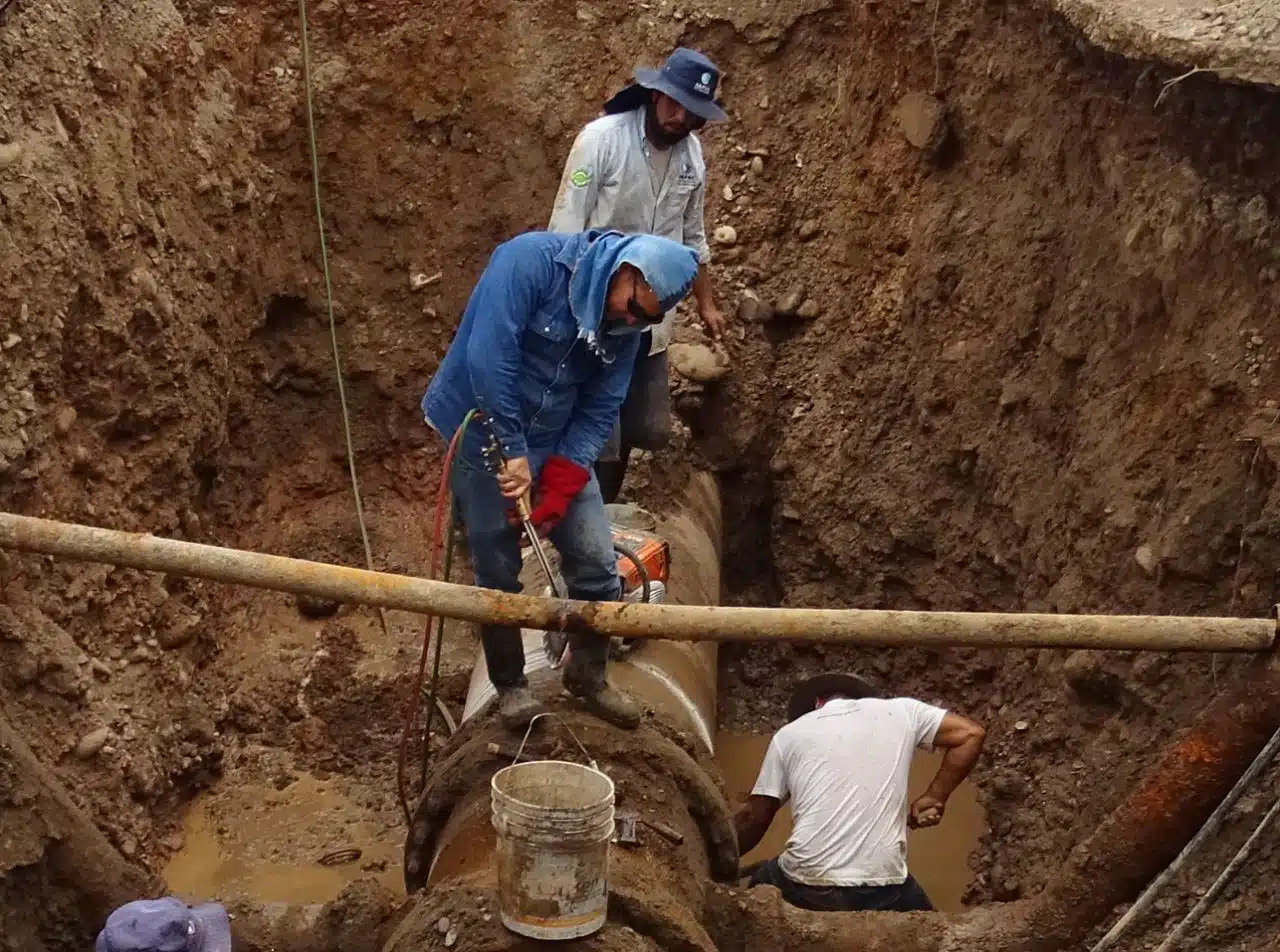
x=843 y=761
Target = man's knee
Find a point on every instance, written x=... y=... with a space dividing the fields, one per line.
x=495 y=558
x=585 y=543
x=650 y=430
x=646 y=415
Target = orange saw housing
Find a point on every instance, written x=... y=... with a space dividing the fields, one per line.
x=652 y=551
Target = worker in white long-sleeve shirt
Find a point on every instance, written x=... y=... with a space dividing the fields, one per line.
x=843 y=761
x=639 y=169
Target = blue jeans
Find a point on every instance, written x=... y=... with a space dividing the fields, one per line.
x=902 y=897
x=587 y=564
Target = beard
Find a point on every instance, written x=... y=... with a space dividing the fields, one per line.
x=653 y=130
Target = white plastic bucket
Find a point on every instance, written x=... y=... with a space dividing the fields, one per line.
x=554 y=821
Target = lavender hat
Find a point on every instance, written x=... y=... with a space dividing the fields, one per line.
x=166 y=925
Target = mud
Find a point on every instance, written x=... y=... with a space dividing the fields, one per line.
x=285 y=845
x=1032 y=369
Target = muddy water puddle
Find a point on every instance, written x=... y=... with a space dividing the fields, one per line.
x=938 y=857
x=262 y=843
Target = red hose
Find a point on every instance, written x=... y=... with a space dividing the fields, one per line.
x=411 y=714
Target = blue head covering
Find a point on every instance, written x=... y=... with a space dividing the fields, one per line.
x=668 y=267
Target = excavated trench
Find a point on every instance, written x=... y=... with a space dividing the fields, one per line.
x=1030 y=369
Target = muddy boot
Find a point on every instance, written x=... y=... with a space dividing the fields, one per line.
x=584 y=678
x=518 y=707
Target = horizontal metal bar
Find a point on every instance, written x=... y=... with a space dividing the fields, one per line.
x=634 y=620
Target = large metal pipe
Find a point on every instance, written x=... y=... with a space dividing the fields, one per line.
x=663 y=772
x=676 y=681
x=670 y=622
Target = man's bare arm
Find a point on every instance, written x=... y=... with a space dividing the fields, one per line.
x=708 y=310
x=752 y=821
x=962 y=740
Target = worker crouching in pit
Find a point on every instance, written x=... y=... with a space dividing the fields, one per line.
x=545 y=351
x=843 y=760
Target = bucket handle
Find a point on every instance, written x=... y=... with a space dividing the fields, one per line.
x=528 y=730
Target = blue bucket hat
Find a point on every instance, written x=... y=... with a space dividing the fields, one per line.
x=166 y=925
x=687 y=76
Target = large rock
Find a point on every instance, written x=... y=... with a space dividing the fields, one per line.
x=923 y=119
x=791 y=302
x=753 y=310
x=725 y=235
x=698 y=362
x=10 y=152
x=1087 y=674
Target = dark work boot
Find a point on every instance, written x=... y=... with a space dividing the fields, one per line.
x=518 y=707
x=504 y=657
x=584 y=678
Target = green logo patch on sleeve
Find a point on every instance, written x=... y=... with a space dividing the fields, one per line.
x=580 y=178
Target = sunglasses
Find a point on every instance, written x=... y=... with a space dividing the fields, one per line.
x=640 y=314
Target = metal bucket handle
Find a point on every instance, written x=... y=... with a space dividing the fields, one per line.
x=528 y=730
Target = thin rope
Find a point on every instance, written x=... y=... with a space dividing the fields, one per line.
x=333 y=330
x=328 y=291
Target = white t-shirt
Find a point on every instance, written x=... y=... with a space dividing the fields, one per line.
x=659 y=165
x=845 y=769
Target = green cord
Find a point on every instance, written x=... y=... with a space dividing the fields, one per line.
x=328 y=290
x=333 y=325
x=433 y=698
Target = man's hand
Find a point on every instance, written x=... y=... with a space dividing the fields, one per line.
x=560 y=482
x=713 y=319
x=515 y=479
x=926 y=811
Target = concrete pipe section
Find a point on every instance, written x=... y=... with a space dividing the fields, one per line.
x=673 y=830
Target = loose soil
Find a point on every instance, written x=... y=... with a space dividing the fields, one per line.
x=1006 y=322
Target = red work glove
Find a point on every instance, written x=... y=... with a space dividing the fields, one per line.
x=560 y=480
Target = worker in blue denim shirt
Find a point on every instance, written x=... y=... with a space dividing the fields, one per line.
x=545 y=350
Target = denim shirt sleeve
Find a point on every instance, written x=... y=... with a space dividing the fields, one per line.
x=505 y=299
x=596 y=412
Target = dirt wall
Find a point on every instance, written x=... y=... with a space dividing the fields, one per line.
x=1026 y=366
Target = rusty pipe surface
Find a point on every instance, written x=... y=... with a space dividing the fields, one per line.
x=1174 y=798
x=671 y=622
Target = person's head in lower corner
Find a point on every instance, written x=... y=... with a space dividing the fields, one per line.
x=810 y=695
x=166 y=925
